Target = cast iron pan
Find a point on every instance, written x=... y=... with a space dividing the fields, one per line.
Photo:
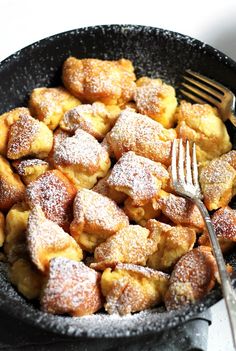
x=154 y=52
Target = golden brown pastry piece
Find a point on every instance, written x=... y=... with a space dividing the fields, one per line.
x=230 y=157
x=105 y=144
x=180 y=210
x=132 y=244
x=96 y=119
x=28 y=136
x=202 y=124
x=16 y=223
x=30 y=169
x=103 y=188
x=27 y=278
x=172 y=243
x=140 y=214
x=71 y=288
x=194 y=275
x=139 y=133
x=218 y=183
x=46 y=240
x=130 y=288
x=82 y=159
x=138 y=177
x=96 y=217
x=59 y=136
x=157 y=100
x=50 y=104
x=2 y=229
x=6 y=120
x=12 y=189
x=54 y=193
x=224 y=222
x=110 y=82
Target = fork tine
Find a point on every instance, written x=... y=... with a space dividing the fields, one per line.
x=204 y=87
x=173 y=163
x=200 y=93
x=194 y=166
x=181 y=162
x=207 y=80
x=188 y=164
x=192 y=97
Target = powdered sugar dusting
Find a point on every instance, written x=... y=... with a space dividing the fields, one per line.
x=45 y=237
x=149 y=95
x=82 y=149
x=181 y=211
x=224 y=222
x=22 y=133
x=129 y=245
x=97 y=210
x=51 y=193
x=77 y=117
x=21 y=166
x=141 y=134
x=145 y=271
x=72 y=287
x=138 y=177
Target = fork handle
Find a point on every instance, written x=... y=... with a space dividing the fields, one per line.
x=227 y=289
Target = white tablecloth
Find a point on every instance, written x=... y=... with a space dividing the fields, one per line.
x=214 y=22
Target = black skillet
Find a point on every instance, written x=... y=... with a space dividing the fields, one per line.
x=154 y=52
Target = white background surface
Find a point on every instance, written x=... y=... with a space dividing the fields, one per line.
x=214 y=22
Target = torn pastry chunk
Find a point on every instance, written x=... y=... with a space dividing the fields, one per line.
x=12 y=189
x=224 y=223
x=29 y=137
x=30 y=169
x=172 y=243
x=132 y=244
x=138 y=177
x=140 y=214
x=96 y=119
x=157 y=100
x=54 y=193
x=6 y=120
x=50 y=104
x=27 y=278
x=46 y=240
x=130 y=288
x=15 y=241
x=71 y=288
x=103 y=188
x=110 y=82
x=193 y=276
x=180 y=210
x=202 y=124
x=82 y=159
x=96 y=217
x=2 y=229
x=144 y=136
x=218 y=183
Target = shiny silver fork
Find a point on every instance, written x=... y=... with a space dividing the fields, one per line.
x=202 y=89
x=185 y=182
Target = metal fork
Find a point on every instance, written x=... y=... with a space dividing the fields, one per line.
x=185 y=182
x=202 y=89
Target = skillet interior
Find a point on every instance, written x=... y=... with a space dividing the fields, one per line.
x=154 y=52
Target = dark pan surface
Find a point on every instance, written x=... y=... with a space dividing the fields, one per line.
x=154 y=52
